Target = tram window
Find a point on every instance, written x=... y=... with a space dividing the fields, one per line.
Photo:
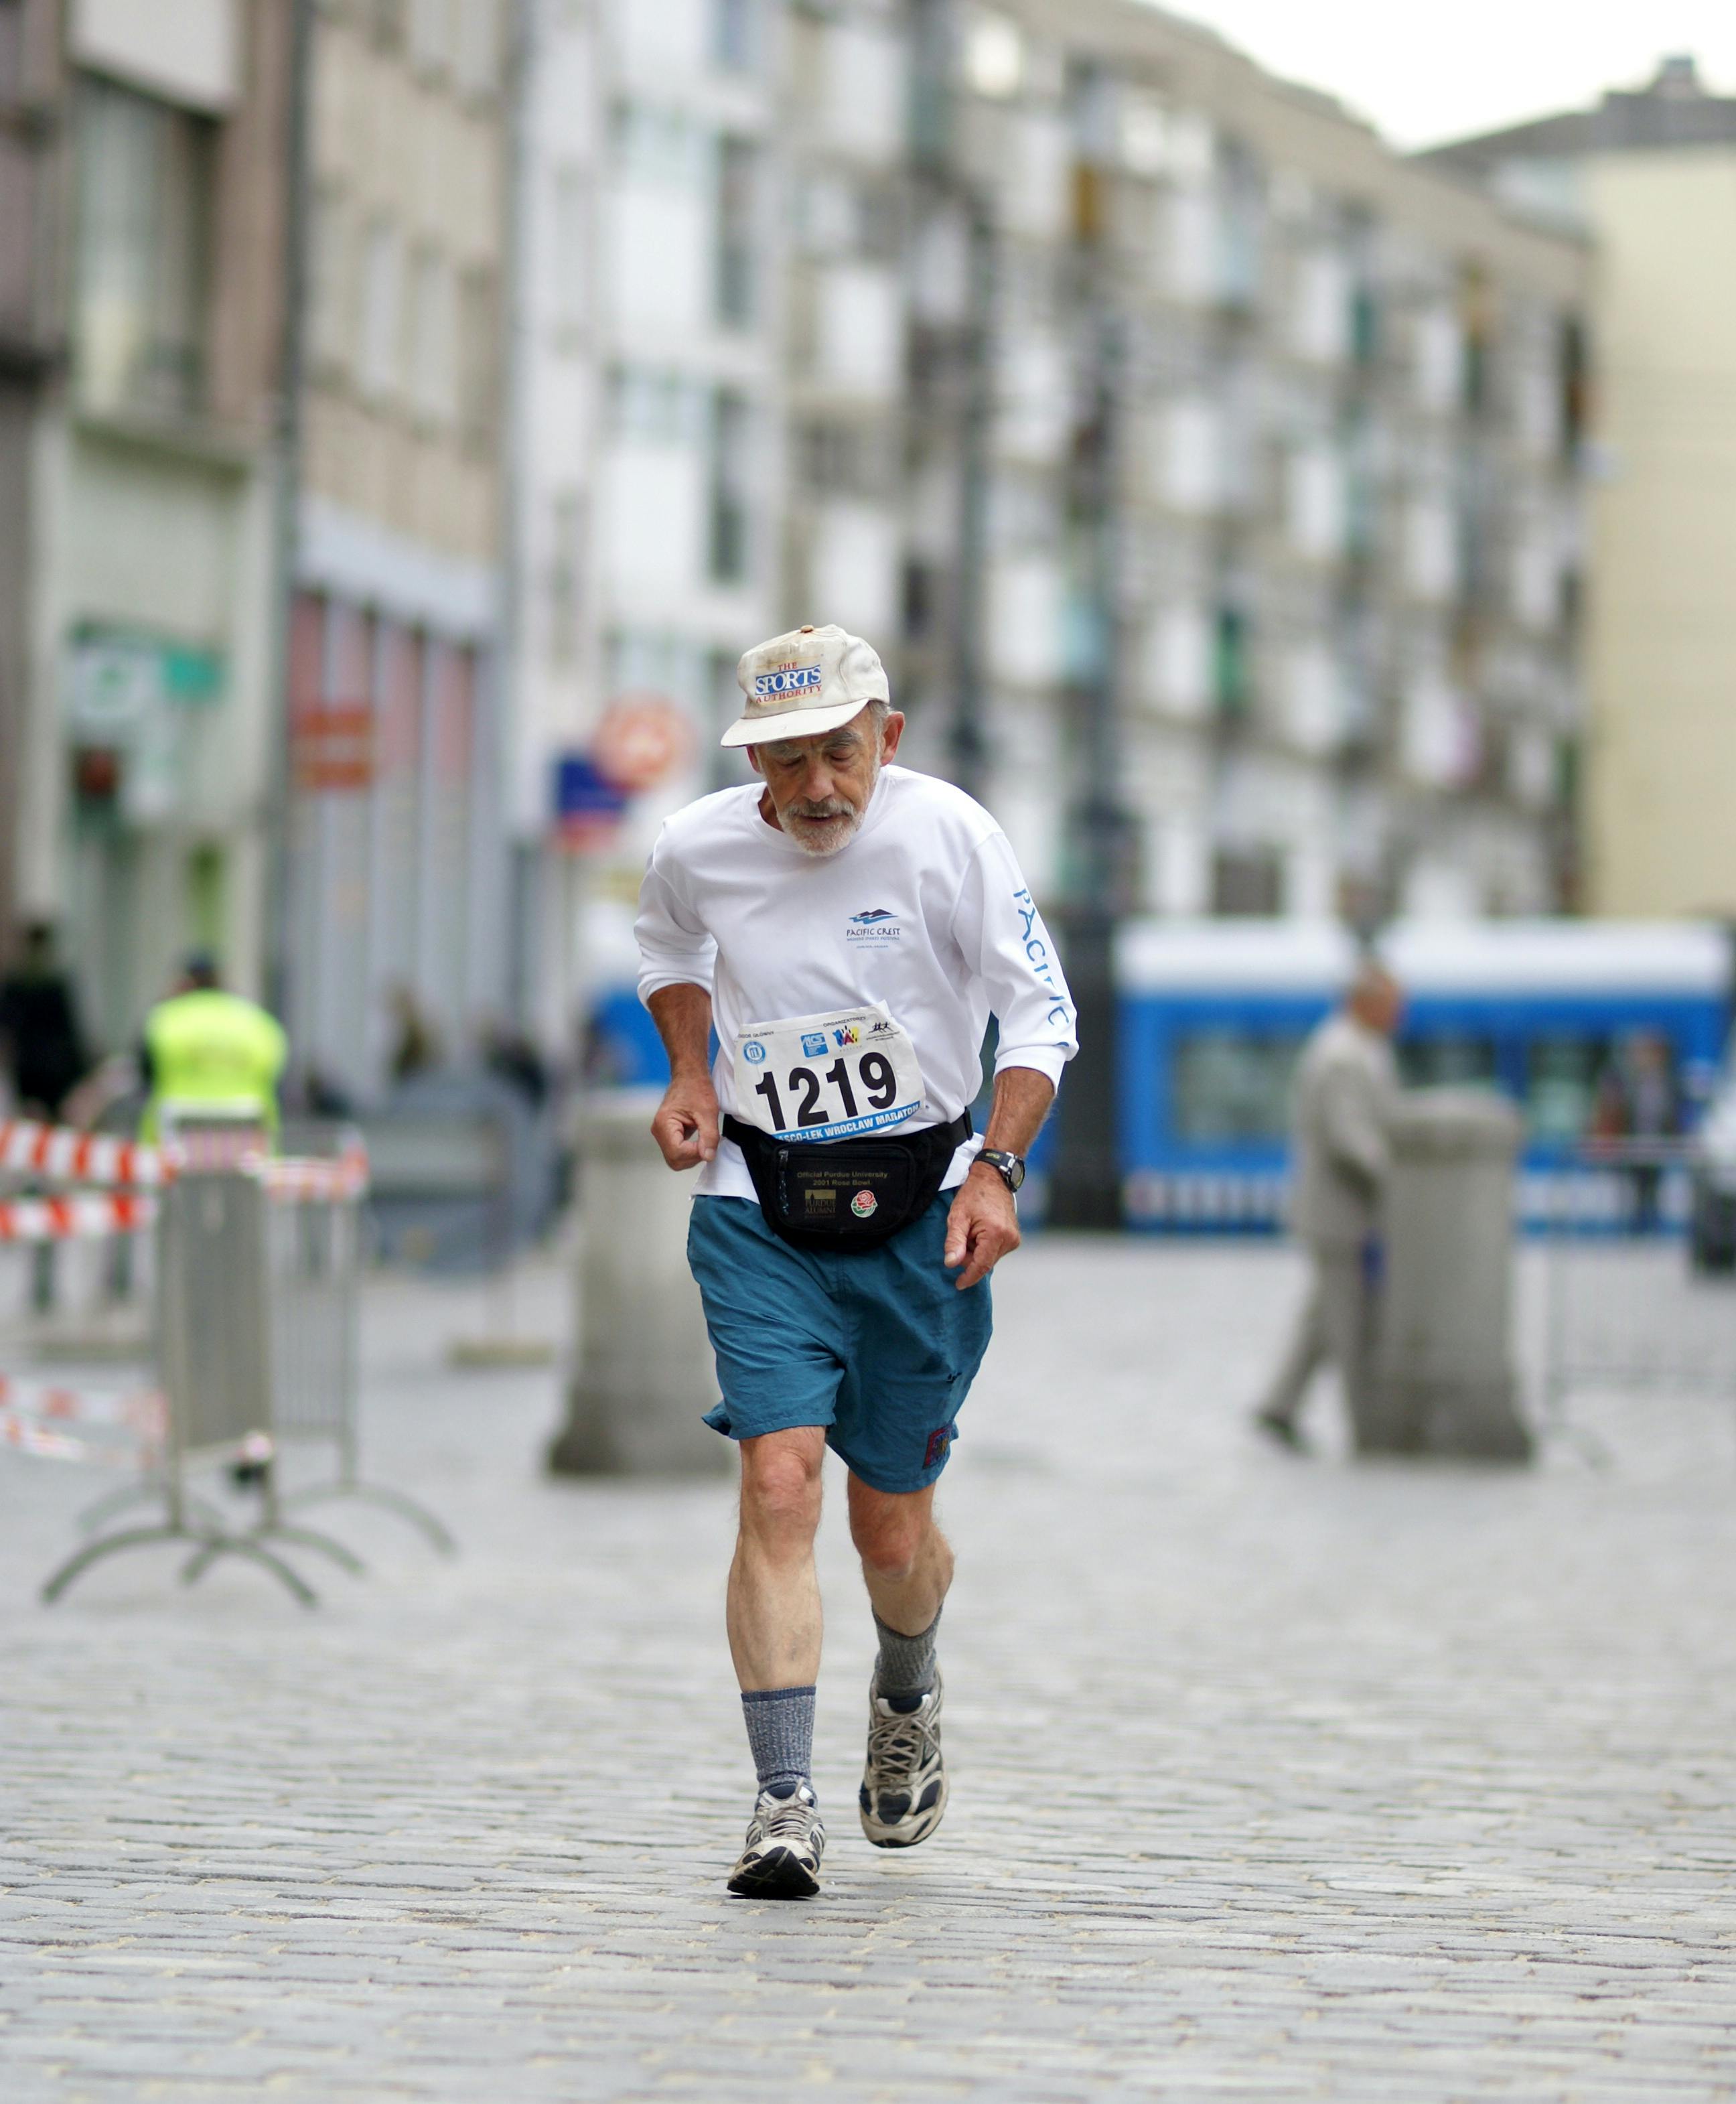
x=1563 y=1075
x=1452 y=1060
x=1234 y=1085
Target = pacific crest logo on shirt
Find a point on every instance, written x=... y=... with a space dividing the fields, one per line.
x=880 y=924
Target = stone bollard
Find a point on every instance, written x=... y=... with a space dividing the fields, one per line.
x=1447 y=1385
x=644 y=1371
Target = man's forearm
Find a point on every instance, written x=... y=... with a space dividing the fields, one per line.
x=682 y=1015
x=1022 y=1097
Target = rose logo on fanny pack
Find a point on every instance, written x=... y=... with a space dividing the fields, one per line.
x=865 y=1204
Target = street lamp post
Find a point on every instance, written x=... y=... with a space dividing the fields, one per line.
x=1100 y=873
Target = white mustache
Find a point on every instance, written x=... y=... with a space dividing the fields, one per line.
x=833 y=807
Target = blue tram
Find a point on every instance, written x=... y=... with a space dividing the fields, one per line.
x=1213 y=1014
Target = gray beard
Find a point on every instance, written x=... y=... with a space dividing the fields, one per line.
x=841 y=829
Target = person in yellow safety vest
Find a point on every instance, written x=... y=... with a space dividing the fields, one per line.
x=202 y=1046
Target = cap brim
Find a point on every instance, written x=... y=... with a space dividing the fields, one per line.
x=795 y=722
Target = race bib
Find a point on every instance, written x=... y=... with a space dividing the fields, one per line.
x=818 y=1078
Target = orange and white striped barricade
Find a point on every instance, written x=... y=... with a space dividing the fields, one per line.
x=213 y=1351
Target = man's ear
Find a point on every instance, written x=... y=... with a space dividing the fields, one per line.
x=890 y=734
x=752 y=759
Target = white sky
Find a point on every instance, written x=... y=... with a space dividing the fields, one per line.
x=1428 y=74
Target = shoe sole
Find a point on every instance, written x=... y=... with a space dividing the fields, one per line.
x=906 y=1834
x=776 y=1875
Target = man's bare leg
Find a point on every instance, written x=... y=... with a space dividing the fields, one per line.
x=907 y=1566
x=774 y=1591
x=774 y=1638
x=907 y=1560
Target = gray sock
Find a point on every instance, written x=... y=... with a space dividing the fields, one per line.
x=904 y=1672
x=781 y=1734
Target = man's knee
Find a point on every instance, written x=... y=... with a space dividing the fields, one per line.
x=781 y=1485
x=890 y=1532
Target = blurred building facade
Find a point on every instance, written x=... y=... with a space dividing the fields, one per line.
x=1336 y=409
x=649 y=421
x=397 y=881
x=1206 y=473
x=1170 y=436
x=1650 y=175
x=142 y=192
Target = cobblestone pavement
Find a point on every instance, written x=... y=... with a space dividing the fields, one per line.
x=1272 y=1780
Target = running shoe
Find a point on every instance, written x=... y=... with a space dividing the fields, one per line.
x=904 y=1786
x=785 y=1843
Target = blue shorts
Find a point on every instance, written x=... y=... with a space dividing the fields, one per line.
x=879 y=1347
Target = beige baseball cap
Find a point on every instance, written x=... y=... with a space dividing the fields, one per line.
x=805 y=683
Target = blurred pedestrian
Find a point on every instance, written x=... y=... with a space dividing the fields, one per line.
x=1346 y=1088
x=44 y=1048
x=415 y=1043
x=1652 y=1118
x=215 y=1049
x=850 y=925
x=510 y=1054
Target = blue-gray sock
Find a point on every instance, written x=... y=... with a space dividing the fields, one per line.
x=904 y=1671
x=781 y=1734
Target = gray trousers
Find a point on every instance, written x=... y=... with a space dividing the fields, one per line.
x=1338 y=1324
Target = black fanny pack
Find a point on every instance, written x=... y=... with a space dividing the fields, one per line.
x=847 y=1194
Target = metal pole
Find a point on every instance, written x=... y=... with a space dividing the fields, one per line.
x=969 y=733
x=944 y=187
x=1101 y=837
x=292 y=360
x=510 y=727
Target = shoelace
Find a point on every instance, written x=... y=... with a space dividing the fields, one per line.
x=901 y=1740
x=793 y=1821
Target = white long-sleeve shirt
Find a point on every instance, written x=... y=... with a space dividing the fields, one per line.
x=925 y=910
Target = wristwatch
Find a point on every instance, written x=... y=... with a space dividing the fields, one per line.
x=1010 y=1167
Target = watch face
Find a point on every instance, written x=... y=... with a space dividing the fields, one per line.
x=1010 y=1167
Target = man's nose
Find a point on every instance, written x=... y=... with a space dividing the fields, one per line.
x=817 y=781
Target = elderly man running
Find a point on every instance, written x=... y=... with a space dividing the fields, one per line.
x=847 y=928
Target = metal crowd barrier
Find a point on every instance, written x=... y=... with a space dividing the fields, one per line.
x=1624 y=1311
x=257 y=1292
x=316 y=1246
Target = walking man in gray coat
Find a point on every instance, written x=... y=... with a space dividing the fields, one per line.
x=1345 y=1089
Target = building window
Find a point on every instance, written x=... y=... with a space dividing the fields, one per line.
x=653 y=144
x=729 y=487
x=734 y=34
x=565 y=529
x=476 y=58
x=1232 y=666
x=1364 y=326
x=994 y=57
x=479 y=300
x=385 y=23
x=736 y=189
x=11 y=51
x=330 y=332
x=1575 y=390
x=1248 y=881
x=647 y=403
x=433 y=352
x=144 y=239
x=431 y=36
x=1477 y=323
x=569 y=247
x=380 y=363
